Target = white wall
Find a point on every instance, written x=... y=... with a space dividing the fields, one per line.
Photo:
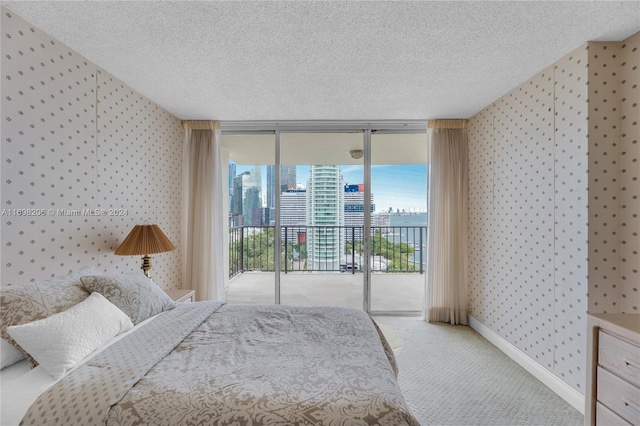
x=73 y=138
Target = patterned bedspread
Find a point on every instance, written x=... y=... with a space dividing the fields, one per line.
x=236 y=365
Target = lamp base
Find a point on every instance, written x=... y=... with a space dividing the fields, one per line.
x=146 y=265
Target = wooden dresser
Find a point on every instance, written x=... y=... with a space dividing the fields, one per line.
x=613 y=370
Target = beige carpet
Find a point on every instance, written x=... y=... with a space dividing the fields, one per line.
x=450 y=375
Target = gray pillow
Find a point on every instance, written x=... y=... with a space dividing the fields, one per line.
x=136 y=295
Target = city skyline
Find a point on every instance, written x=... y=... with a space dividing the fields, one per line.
x=400 y=187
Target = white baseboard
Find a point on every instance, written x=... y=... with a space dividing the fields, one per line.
x=564 y=391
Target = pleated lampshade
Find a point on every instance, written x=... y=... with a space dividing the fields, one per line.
x=145 y=239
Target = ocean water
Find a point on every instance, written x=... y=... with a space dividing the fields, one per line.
x=417 y=219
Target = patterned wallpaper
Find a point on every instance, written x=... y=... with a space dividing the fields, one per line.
x=570 y=215
x=554 y=202
x=629 y=74
x=84 y=158
x=512 y=203
x=613 y=176
x=139 y=170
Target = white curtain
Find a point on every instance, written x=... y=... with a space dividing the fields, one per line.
x=204 y=212
x=447 y=267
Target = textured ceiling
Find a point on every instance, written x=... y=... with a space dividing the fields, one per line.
x=327 y=60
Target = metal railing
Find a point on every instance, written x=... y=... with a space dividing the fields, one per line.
x=394 y=249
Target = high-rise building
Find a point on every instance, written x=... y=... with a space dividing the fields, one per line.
x=293 y=215
x=271 y=195
x=252 y=207
x=287 y=177
x=354 y=211
x=293 y=207
x=232 y=175
x=325 y=217
x=287 y=181
x=235 y=206
x=246 y=201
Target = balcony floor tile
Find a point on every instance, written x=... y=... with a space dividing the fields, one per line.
x=389 y=291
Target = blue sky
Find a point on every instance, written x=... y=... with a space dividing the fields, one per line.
x=401 y=187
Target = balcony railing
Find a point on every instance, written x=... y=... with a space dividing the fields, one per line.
x=394 y=249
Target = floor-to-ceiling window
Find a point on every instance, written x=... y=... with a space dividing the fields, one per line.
x=344 y=206
x=399 y=241
x=317 y=237
x=251 y=244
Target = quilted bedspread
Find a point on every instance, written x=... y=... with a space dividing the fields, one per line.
x=235 y=365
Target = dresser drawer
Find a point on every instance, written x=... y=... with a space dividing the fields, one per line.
x=606 y=417
x=619 y=396
x=619 y=357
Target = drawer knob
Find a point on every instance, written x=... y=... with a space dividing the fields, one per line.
x=634 y=406
x=631 y=364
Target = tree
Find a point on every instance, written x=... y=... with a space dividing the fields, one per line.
x=258 y=249
x=396 y=253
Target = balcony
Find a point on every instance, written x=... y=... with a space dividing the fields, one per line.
x=309 y=277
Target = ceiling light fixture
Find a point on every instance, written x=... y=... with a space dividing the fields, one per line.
x=356 y=154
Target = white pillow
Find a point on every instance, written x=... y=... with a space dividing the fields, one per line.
x=23 y=303
x=61 y=341
x=9 y=355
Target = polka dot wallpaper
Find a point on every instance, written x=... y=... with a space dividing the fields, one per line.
x=512 y=217
x=614 y=188
x=570 y=218
x=553 y=226
x=629 y=184
x=84 y=158
x=604 y=137
x=481 y=218
x=139 y=162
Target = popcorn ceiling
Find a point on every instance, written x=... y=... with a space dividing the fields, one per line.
x=327 y=60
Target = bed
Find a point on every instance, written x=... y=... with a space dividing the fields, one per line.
x=203 y=363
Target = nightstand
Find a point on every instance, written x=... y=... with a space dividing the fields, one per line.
x=182 y=295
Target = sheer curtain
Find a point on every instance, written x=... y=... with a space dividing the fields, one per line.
x=447 y=267
x=204 y=213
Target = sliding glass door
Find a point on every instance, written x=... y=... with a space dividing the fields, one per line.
x=399 y=226
x=321 y=218
x=328 y=218
x=251 y=242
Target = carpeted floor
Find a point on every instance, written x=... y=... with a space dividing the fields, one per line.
x=450 y=375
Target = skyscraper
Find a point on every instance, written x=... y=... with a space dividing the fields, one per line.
x=246 y=201
x=232 y=175
x=325 y=217
x=293 y=214
x=287 y=181
x=354 y=210
x=293 y=207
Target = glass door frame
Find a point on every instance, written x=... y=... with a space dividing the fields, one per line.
x=367 y=128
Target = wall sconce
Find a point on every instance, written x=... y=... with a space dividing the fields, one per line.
x=145 y=240
x=356 y=154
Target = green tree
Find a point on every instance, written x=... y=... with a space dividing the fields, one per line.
x=357 y=245
x=258 y=249
x=397 y=254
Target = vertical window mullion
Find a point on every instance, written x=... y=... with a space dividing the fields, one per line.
x=277 y=231
x=366 y=228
